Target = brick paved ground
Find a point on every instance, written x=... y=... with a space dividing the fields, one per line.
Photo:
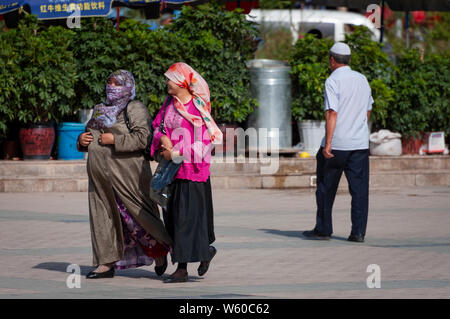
x=261 y=252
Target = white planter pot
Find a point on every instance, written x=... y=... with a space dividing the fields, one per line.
x=84 y=115
x=311 y=135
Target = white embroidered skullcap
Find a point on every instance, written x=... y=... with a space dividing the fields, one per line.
x=340 y=48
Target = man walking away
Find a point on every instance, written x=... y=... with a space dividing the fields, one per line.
x=345 y=148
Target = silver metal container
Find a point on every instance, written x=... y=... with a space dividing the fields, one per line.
x=271 y=86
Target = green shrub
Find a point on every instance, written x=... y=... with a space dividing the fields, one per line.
x=277 y=44
x=97 y=54
x=310 y=69
x=9 y=97
x=217 y=51
x=370 y=60
x=436 y=68
x=309 y=63
x=44 y=73
x=220 y=50
x=50 y=73
x=421 y=94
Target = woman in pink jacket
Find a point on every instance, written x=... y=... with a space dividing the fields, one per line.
x=190 y=133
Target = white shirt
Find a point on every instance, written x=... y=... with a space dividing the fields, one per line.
x=348 y=93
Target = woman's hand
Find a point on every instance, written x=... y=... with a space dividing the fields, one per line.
x=166 y=153
x=166 y=143
x=85 y=139
x=106 y=139
x=167 y=146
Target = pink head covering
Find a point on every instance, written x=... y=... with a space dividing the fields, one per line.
x=185 y=76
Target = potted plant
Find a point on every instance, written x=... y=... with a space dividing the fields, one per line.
x=422 y=99
x=409 y=114
x=309 y=62
x=310 y=69
x=436 y=72
x=9 y=96
x=46 y=80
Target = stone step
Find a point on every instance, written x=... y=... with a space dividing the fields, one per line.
x=282 y=167
x=71 y=176
x=43 y=185
x=243 y=181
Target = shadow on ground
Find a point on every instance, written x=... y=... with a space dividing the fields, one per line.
x=130 y=273
x=296 y=234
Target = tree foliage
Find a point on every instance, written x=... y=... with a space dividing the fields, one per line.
x=39 y=73
x=310 y=69
x=49 y=73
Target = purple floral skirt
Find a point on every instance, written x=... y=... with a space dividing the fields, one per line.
x=140 y=248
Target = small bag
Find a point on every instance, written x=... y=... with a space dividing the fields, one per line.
x=160 y=187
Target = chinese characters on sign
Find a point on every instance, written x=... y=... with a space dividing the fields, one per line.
x=7 y=6
x=54 y=9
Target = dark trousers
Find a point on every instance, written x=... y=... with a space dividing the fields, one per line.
x=355 y=165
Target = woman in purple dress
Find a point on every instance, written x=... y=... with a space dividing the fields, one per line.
x=126 y=228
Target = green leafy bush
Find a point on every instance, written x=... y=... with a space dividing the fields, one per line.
x=310 y=69
x=43 y=73
x=220 y=50
x=9 y=97
x=97 y=54
x=436 y=67
x=370 y=60
x=52 y=72
x=216 y=50
x=277 y=43
x=309 y=63
x=421 y=94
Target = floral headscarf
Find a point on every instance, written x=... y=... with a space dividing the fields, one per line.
x=117 y=98
x=185 y=76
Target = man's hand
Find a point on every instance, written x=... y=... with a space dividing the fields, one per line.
x=85 y=139
x=327 y=151
x=106 y=139
x=330 y=119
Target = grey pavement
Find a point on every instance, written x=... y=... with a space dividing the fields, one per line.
x=261 y=250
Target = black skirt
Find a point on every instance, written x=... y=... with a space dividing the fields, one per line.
x=189 y=220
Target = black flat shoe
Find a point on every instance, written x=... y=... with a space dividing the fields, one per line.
x=356 y=238
x=314 y=235
x=99 y=275
x=172 y=279
x=160 y=270
x=204 y=265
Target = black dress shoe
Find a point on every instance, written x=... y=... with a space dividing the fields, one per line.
x=173 y=279
x=356 y=238
x=99 y=275
x=315 y=235
x=204 y=265
x=160 y=270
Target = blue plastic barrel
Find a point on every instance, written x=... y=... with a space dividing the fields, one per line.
x=67 y=140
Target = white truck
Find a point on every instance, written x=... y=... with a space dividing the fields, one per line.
x=323 y=23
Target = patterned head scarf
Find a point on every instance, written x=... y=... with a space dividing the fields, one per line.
x=117 y=98
x=184 y=76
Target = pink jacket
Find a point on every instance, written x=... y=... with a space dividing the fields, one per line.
x=194 y=145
